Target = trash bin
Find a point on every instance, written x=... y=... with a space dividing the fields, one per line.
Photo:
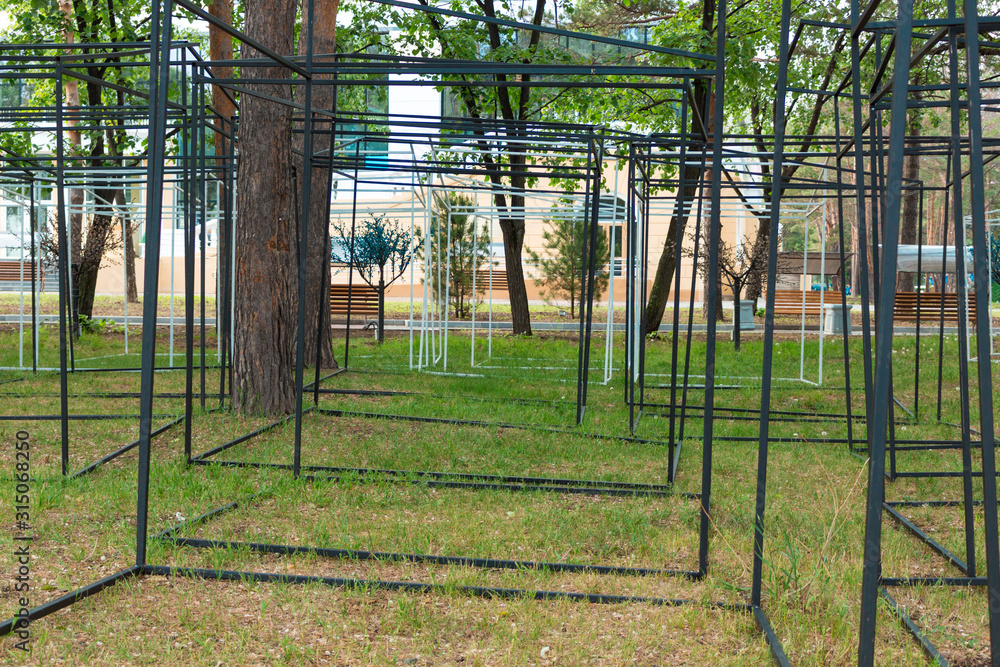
x=833 y=322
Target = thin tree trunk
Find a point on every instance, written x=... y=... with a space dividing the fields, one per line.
x=513 y=242
x=911 y=199
x=221 y=49
x=71 y=99
x=128 y=250
x=659 y=291
x=265 y=314
x=89 y=262
x=736 y=319
x=512 y=228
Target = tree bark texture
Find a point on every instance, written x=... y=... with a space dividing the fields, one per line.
x=911 y=198
x=128 y=250
x=89 y=261
x=221 y=49
x=659 y=291
x=265 y=316
x=318 y=259
x=513 y=243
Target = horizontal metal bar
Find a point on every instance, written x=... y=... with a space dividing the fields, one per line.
x=115 y=454
x=483 y=563
x=908 y=623
x=225 y=27
x=253 y=434
x=474 y=422
x=930 y=503
x=43 y=610
x=927 y=539
x=764 y=625
x=430 y=9
x=933 y=581
x=445 y=484
x=417 y=587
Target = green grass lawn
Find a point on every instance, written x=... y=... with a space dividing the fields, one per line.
x=85 y=528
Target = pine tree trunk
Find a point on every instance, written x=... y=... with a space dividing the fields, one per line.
x=318 y=260
x=265 y=264
x=911 y=199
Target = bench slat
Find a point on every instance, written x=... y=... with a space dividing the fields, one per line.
x=931 y=306
x=499 y=280
x=363 y=297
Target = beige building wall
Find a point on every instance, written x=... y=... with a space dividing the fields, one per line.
x=737 y=223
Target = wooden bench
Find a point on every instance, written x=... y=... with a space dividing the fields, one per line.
x=498 y=278
x=931 y=306
x=789 y=302
x=363 y=297
x=11 y=272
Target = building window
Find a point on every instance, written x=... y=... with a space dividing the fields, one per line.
x=612 y=214
x=13 y=220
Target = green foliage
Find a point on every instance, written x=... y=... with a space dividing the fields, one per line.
x=99 y=325
x=379 y=249
x=457 y=249
x=995 y=255
x=561 y=267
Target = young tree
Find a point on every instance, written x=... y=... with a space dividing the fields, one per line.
x=456 y=244
x=503 y=149
x=737 y=265
x=101 y=138
x=561 y=266
x=751 y=72
x=380 y=250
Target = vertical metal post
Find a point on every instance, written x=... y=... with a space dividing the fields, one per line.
x=982 y=285
x=845 y=316
x=586 y=268
x=772 y=270
x=713 y=269
x=871 y=568
x=644 y=284
x=594 y=220
x=159 y=76
x=34 y=273
x=859 y=185
x=949 y=172
x=962 y=301
x=630 y=280
x=350 y=257
x=202 y=180
x=63 y=259
x=307 y=160
x=681 y=212
x=188 y=138
x=694 y=284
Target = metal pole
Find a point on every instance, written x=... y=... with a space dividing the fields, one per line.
x=772 y=270
x=158 y=88
x=982 y=284
x=307 y=159
x=872 y=566
x=713 y=267
x=63 y=270
x=34 y=271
